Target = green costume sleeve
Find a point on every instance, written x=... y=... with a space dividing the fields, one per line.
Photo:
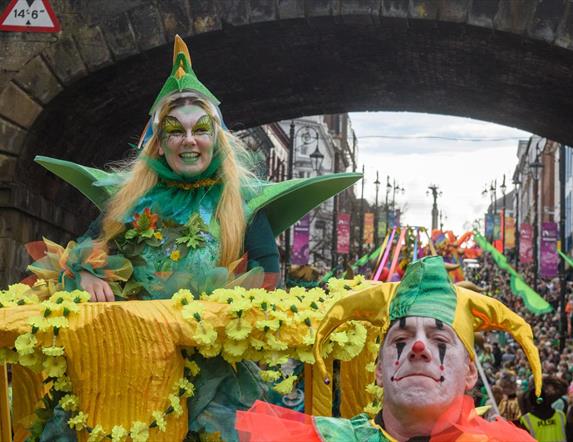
x=261 y=246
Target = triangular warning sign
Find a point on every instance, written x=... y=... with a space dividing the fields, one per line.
x=29 y=16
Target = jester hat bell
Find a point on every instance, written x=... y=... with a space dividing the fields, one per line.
x=426 y=291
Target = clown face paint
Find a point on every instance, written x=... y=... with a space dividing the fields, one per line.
x=423 y=364
x=186 y=139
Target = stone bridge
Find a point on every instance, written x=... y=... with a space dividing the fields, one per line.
x=83 y=94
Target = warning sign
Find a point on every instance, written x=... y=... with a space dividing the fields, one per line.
x=29 y=16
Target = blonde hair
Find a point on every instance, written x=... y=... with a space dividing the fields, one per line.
x=230 y=212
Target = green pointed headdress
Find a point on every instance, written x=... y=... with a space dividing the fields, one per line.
x=182 y=78
x=427 y=291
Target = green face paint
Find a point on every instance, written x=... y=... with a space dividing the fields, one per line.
x=187 y=139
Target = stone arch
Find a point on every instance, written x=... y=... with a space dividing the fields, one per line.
x=83 y=94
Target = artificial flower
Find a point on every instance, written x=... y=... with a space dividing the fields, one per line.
x=8 y=356
x=212 y=350
x=53 y=351
x=266 y=325
x=340 y=338
x=97 y=434
x=119 y=434
x=158 y=235
x=78 y=422
x=30 y=360
x=69 y=402
x=139 y=432
x=235 y=348
x=186 y=388
x=238 y=329
x=374 y=390
x=80 y=296
x=239 y=305
x=275 y=344
x=63 y=383
x=145 y=221
x=39 y=323
x=193 y=310
x=372 y=409
x=371 y=367
x=285 y=386
x=270 y=375
x=175 y=403
x=193 y=367
x=274 y=358
x=159 y=419
x=25 y=344
x=58 y=322
x=205 y=335
x=305 y=355
x=55 y=367
x=182 y=297
x=175 y=255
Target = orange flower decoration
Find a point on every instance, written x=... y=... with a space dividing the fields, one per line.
x=145 y=221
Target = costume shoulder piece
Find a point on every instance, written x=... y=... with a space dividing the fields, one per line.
x=284 y=203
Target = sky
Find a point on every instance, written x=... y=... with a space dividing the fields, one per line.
x=461 y=169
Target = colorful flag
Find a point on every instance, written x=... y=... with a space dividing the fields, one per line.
x=526 y=244
x=343 y=233
x=509 y=232
x=549 y=261
x=369 y=228
x=300 y=248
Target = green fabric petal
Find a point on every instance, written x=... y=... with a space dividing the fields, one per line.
x=357 y=429
x=531 y=299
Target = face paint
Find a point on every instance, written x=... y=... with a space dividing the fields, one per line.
x=402 y=323
x=439 y=324
x=432 y=369
x=186 y=139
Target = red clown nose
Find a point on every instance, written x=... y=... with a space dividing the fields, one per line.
x=418 y=347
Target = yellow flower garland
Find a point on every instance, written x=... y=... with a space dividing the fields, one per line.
x=263 y=326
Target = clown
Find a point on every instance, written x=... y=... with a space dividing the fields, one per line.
x=425 y=365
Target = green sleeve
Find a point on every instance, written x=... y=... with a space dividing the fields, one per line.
x=260 y=244
x=357 y=429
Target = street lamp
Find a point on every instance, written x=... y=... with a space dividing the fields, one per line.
x=435 y=193
x=503 y=187
x=535 y=168
x=361 y=238
x=516 y=184
x=377 y=184
x=307 y=138
x=388 y=189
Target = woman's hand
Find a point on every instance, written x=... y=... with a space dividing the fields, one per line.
x=99 y=289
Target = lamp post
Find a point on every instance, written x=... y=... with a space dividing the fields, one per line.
x=377 y=184
x=361 y=236
x=334 y=250
x=388 y=189
x=562 y=275
x=503 y=188
x=535 y=168
x=316 y=161
x=435 y=193
x=516 y=183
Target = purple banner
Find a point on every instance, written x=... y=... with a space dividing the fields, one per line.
x=488 y=226
x=526 y=244
x=300 y=245
x=549 y=261
x=343 y=233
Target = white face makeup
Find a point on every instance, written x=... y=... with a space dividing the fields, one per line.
x=186 y=137
x=423 y=364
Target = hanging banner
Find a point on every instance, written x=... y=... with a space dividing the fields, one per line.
x=509 y=232
x=549 y=260
x=526 y=244
x=369 y=228
x=496 y=227
x=300 y=248
x=381 y=228
x=343 y=233
x=488 y=231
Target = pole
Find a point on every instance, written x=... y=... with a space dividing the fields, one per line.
x=387 y=208
x=361 y=238
x=503 y=219
x=535 y=229
x=289 y=176
x=517 y=232
x=562 y=274
x=377 y=183
x=333 y=252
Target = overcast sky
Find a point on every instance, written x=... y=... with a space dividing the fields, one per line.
x=461 y=169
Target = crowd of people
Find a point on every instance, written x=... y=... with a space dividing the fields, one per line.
x=505 y=364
